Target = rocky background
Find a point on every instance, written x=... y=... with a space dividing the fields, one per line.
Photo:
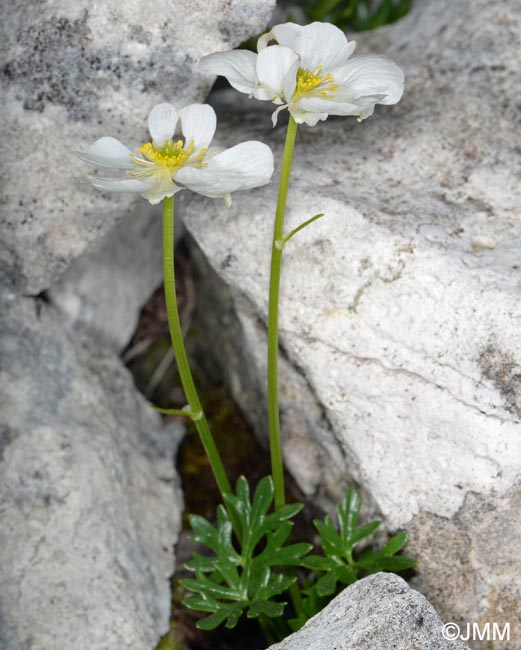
x=401 y=307
x=90 y=501
x=401 y=366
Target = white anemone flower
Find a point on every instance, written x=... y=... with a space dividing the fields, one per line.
x=310 y=72
x=164 y=166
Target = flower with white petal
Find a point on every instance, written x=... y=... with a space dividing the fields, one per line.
x=309 y=71
x=163 y=166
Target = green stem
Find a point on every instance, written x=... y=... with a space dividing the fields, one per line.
x=267 y=631
x=183 y=366
x=296 y=599
x=273 y=319
x=282 y=242
x=183 y=412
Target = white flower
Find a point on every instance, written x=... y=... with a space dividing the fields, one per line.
x=310 y=72
x=164 y=166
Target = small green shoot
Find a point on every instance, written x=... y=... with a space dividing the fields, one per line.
x=340 y=562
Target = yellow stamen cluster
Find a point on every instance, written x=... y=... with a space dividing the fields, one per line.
x=308 y=81
x=166 y=159
x=170 y=156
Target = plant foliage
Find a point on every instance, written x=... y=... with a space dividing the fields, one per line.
x=340 y=562
x=361 y=15
x=238 y=574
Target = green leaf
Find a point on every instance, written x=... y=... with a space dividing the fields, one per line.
x=326 y=585
x=274 y=519
x=319 y=563
x=363 y=532
x=201 y=604
x=229 y=613
x=225 y=548
x=202 y=563
x=237 y=573
x=340 y=564
x=205 y=533
x=348 y=512
x=395 y=563
x=395 y=544
x=276 y=584
x=243 y=490
x=331 y=542
x=323 y=8
x=266 y=608
x=205 y=586
x=233 y=618
x=360 y=14
x=290 y=555
x=262 y=500
x=277 y=538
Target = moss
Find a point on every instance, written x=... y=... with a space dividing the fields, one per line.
x=170 y=642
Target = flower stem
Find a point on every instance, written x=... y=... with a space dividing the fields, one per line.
x=273 y=319
x=183 y=366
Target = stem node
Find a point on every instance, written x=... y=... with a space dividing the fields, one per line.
x=195 y=411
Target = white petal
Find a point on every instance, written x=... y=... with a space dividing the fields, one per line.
x=289 y=83
x=162 y=121
x=119 y=185
x=155 y=188
x=237 y=66
x=213 y=151
x=247 y=165
x=317 y=44
x=306 y=117
x=107 y=152
x=198 y=122
x=371 y=74
x=321 y=105
x=276 y=67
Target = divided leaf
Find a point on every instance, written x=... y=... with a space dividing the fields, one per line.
x=339 y=564
x=238 y=576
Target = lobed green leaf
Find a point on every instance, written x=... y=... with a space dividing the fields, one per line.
x=363 y=532
x=266 y=608
x=238 y=577
x=205 y=533
x=395 y=544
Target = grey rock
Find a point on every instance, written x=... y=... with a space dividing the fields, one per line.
x=470 y=565
x=400 y=308
x=380 y=612
x=90 y=505
x=72 y=73
x=103 y=291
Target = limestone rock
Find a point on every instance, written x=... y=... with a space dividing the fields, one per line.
x=400 y=308
x=90 y=506
x=74 y=72
x=377 y=613
x=103 y=291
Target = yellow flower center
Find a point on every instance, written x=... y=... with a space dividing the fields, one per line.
x=313 y=84
x=169 y=157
